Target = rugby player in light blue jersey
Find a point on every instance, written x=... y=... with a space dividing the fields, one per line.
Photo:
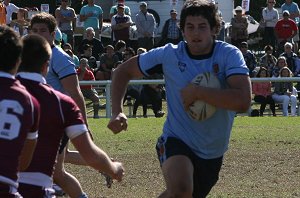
x=196 y=148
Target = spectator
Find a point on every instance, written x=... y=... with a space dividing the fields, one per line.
x=88 y=54
x=92 y=16
x=90 y=39
x=268 y=60
x=239 y=25
x=293 y=9
x=62 y=76
x=59 y=116
x=10 y=9
x=284 y=92
x=107 y=63
x=292 y=60
x=145 y=24
x=285 y=30
x=262 y=92
x=249 y=57
x=84 y=73
x=114 y=9
x=119 y=49
x=69 y=50
x=120 y=25
x=281 y=62
x=171 y=32
x=66 y=19
x=20 y=113
x=140 y=50
x=270 y=17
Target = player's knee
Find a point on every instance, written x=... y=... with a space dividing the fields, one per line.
x=181 y=191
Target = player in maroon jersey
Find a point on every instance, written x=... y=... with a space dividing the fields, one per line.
x=59 y=115
x=19 y=116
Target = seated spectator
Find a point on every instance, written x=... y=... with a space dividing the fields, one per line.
x=281 y=62
x=284 y=93
x=292 y=59
x=262 y=92
x=88 y=54
x=87 y=90
x=141 y=50
x=120 y=48
x=268 y=60
x=107 y=63
x=90 y=39
x=69 y=50
x=249 y=57
x=128 y=53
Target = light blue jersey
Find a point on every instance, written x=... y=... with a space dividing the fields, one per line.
x=92 y=21
x=209 y=138
x=61 y=66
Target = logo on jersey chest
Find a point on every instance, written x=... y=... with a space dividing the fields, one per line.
x=215 y=67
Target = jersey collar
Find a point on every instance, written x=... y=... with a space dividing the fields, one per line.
x=32 y=76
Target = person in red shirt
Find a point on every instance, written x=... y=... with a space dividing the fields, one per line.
x=262 y=92
x=285 y=30
x=84 y=73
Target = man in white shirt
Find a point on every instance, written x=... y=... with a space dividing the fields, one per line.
x=10 y=9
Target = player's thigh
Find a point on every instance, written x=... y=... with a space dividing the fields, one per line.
x=178 y=180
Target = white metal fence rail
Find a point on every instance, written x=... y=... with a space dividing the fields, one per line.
x=107 y=84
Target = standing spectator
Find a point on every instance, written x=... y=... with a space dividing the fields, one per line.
x=239 y=27
x=10 y=9
x=145 y=24
x=114 y=9
x=92 y=16
x=268 y=60
x=262 y=92
x=120 y=25
x=171 y=32
x=294 y=11
x=270 y=17
x=88 y=91
x=284 y=92
x=107 y=63
x=59 y=115
x=249 y=57
x=190 y=151
x=62 y=76
x=90 y=39
x=66 y=19
x=285 y=30
x=19 y=116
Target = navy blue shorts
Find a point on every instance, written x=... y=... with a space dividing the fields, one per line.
x=30 y=191
x=206 y=171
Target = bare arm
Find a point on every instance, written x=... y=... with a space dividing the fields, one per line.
x=71 y=86
x=26 y=154
x=120 y=78
x=237 y=97
x=97 y=158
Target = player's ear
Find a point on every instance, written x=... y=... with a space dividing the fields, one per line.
x=45 y=68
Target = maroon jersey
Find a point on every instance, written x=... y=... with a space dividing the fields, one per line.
x=59 y=114
x=19 y=117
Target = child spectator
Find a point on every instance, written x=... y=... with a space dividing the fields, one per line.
x=262 y=92
x=284 y=92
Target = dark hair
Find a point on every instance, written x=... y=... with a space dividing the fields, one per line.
x=262 y=69
x=202 y=8
x=130 y=50
x=268 y=48
x=35 y=46
x=119 y=45
x=45 y=18
x=10 y=48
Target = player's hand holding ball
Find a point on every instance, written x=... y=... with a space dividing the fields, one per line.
x=197 y=109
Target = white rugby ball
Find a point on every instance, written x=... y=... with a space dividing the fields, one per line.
x=199 y=110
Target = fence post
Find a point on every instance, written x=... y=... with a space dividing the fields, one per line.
x=108 y=100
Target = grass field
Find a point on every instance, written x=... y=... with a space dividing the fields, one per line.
x=263 y=159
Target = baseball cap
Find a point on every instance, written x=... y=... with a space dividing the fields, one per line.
x=173 y=11
x=143 y=3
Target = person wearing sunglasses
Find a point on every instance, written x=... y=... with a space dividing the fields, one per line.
x=270 y=17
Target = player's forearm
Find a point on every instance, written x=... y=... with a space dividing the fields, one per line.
x=79 y=100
